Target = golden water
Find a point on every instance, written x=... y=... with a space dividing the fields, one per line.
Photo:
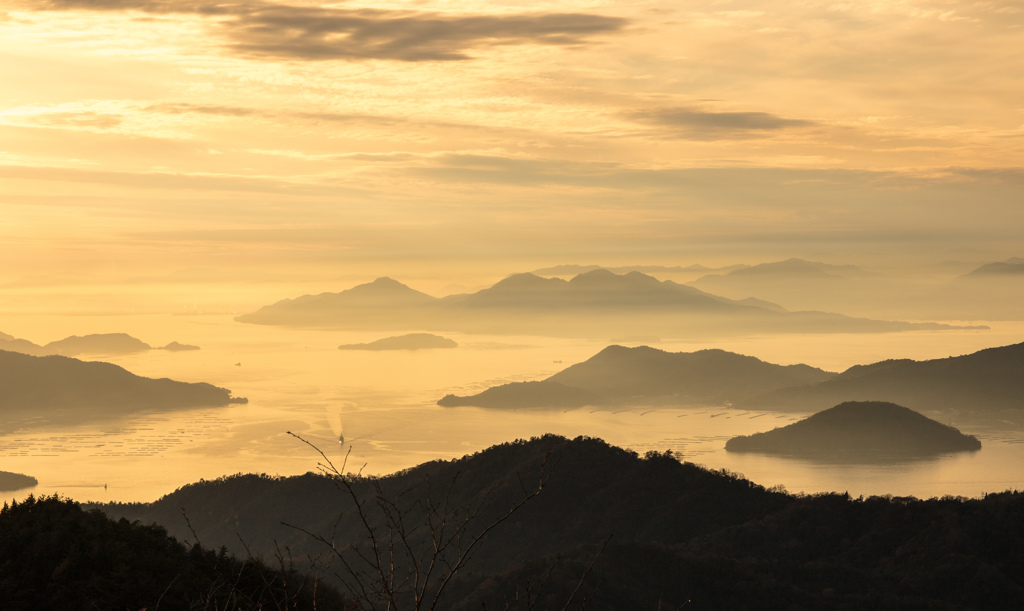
x=383 y=403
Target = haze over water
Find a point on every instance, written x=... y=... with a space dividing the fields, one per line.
x=166 y=166
x=383 y=403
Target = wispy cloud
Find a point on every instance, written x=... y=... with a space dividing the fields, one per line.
x=711 y=125
x=323 y=33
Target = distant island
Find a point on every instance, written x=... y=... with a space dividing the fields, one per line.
x=95 y=343
x=621 y=375
x=594 y=304
x=91 y=389
x=16 y=481
x=176 y=347
x=865 y=430
x=410 y=341
x=987 y=380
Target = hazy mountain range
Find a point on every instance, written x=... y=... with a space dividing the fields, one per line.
x=97 y=343
x=964 y=291
x=988 y=380
x=621 y=375
x=660 y=270
x=73 y=389
x=596 y=304
x=859 y=431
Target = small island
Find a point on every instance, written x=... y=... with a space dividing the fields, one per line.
x=410 y=341
x=868 y=430
x=177 y=347
x=16 y=481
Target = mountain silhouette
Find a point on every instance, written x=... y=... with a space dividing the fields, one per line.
x=96 y=343
x=598 y=289
x=410 y=341
x=367 y=300
x=987 y=380
x=865 y=430
x=612 y=530
x=596 y=304
x=620 y=375
x=13 y=344
x=1002 y=268
x=574 y=270
x=87 y=389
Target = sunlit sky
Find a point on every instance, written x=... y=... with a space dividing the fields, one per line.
x=145 y=136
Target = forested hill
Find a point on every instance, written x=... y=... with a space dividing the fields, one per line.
x=29 y=384
x=592 y=490
x=54 y=555
x=673 y=534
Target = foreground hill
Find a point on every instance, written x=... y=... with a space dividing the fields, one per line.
x=616 y=531
x=868 y=430
x=619 y=375
x=598 y=303
x=73 y=388
x=987 y=380
x=410 y=341
x=54 y=555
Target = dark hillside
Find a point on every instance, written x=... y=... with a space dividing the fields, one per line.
x=54 y=555
x=675 y=535
x=594 y=490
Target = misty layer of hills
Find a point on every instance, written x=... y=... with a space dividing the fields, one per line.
x=948 y=291
x=619 y=531
x=575 y=270
x=97 y=343
x=981 y=383
x=990 y=292
x=594 y=304
x=621 y=375
x=861 y=431
x=409 y=341
x=985 y=381
x=74 y=389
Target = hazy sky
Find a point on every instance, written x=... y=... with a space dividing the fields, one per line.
x=168 y=134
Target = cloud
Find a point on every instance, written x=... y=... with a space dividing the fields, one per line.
x=317 y=33
x=181 y=108
x=710 y=125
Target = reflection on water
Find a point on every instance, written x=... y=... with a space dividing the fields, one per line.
x=381 y=404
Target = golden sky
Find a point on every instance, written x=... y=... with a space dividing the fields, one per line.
x=170 y=134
